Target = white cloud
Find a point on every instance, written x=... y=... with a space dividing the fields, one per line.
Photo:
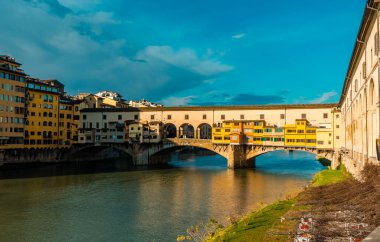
x=184 y=58
x=324 y=97
x=178 y=101
x=51 y=46
x=238 y=36
x=80 y=4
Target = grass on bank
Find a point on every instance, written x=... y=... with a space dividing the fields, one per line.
x=256 y=225
x=327 y=177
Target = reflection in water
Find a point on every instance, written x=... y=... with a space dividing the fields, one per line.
x=143 y=205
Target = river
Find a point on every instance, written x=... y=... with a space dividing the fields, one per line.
x=109 y=201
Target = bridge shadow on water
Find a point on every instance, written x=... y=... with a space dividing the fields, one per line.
x=73 y=168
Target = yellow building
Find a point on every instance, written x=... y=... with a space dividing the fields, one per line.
x=12 y=102
x=67 y=125
x=221 y=135
x=42 y=118
x=273 y=136
x=325 y=138
x=300 y=134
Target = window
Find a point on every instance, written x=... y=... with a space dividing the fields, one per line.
x=337 y=126
x=377 y=44
x=104 y=117
x=262 y=116
x=169 y=117
x=303 y=116
x=136 y=117
x=186 y=116
x=223 y=117
x=356 y=85
x=119 y=117
x=241 y=116
x=204 y=116
x=337 y=116
x=364 y=66
x=152 y=117
x=84 y=117
x=282 y=116
x=325 y=115
x=337 y=137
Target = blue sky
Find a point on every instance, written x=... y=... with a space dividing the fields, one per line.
x=182 y=52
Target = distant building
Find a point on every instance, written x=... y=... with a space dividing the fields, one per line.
x=110 y=95
x=143 y=103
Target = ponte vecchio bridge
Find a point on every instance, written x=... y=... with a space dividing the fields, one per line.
x=192 y=126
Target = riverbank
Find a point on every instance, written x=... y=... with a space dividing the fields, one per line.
x=338 y=206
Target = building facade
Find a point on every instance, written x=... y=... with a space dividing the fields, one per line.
x=12 y=103
x=360 y=100
x=42 y=116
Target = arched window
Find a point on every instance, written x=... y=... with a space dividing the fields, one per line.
x=371 y=93
x=356 y=85
x=377 y=44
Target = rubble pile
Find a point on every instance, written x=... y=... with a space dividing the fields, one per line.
x=346 y=211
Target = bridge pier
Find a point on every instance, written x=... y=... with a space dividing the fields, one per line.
x=237 y=158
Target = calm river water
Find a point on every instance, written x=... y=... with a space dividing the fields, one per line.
x=110 y=202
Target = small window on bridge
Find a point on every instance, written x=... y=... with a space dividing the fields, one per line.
x=282 y=116
x=222 y=117
x=262 y=116
x=204 y=116
x=169 y=117
x=325 y=115
x=151 y=117
x=241 y=116
x=303 y=115
x=186 y=116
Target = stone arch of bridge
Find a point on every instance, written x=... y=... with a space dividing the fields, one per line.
x=221 y=152
x=204 y=131
x=256 y=153
x=186 y=130
x=170 y=130
x=96 y=152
